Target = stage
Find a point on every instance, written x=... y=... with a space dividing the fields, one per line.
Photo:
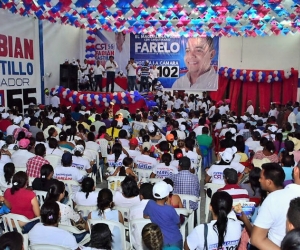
x=101 y=100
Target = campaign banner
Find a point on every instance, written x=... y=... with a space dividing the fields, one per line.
x=171 y=56
x=19 y=60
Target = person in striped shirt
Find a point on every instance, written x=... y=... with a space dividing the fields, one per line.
x=145 y=72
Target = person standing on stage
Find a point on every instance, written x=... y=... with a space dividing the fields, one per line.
x=98 y=72
x=131 y=74
x=145 y=72
x=110 y=67
x=155 y=75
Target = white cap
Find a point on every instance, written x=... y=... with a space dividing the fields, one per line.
x=56 y=119
x=26 y=120
x=5 y=115
x=227 y=154
x=79 y=148
x=233 y=131
x=244 y=118
x=151 y=128
x=83 y=107
x=17 y=119
x=182 y=127
x=184 y=114
x=161 y=190
x=273 y=129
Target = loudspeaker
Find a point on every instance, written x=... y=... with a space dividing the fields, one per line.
x=68 y=76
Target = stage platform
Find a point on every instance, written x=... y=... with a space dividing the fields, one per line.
x=101 y=100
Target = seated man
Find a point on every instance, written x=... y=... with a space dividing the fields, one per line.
x=231 y=186
x=84 y=82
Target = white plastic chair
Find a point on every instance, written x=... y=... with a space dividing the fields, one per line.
x=103 y=147
x=47 y=247
x=125 y=213
x=75 y=230
x=85 y=210
x=143 y=174
x=185 y=198
x=112 y=225
x=199 y=168
x=54 y=160
x=187 y=213
x=41 y=196
x=214 y=187
x=114 y=182
x=11 y=221
x=69 y=187
x=135 y=232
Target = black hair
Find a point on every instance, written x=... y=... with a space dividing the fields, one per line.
x=122 y=134
x=129 y=187
x=10 y=139
x=9 y=170
x=254 y=176
x=19 y=181
x=55 y=190
x=51 y=131
x=40 y=149
x=50 y=213
x=63 y=136
x=177 y=153
x=289 y=146
x=46 y=170
x=127 y=161
x=270 y=147
x=104 y=200
x=21 y=135
x=291 y=241
x=274 y=172
x=101 y=131
x=221 y=203
x=40 y=137
x=263 y=141
x=11 y=240
x=87 y=186
x=81 y=128
x=101 y=236
x=53 y=143
x=189 y=143
x=294 y=212
x=91 y=136
x=146 y=191
x=166 y=159
x=113 y=124
x=117 y=150
x=169 y=181
x=146 y=138
x=288 y=160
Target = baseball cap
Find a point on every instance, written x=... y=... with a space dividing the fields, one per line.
x=233 y=131
x=5 y=115
x=273 y=129
x=150 y=127
x=161 y=190
x=230 y=175
x=17 y=119
x=26 y=120
x=146 y=145
x=227 y=154
x=23 y=143
x=134 y=142
x=79 y=148
x=56 y=119
x=170 y=137
x=66 y=158
x=182 y=127
x=185 y=162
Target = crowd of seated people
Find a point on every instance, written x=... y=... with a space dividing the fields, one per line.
x=257 y=162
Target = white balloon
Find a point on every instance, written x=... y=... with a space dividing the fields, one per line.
x=234 y=77
x=275 y=72
x=244 y=71
x=268 y=81
x=96 y=97
x=225 y=70
x=106 y=104
x=104 y=99
x=234 y=73
x=269 y=77
x=259 y=73
x=75 y=93
x=81 y=97
x=133 y=101
x=71 y=99
x=97 y=102
x=226 y=74
x=276 y=78
x=89 y=99
x=241 y=77
x=259 y=77
x=123 y=94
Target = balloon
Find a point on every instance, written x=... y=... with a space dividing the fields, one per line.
x=104 y=99
x=123 y=102
x=276 y=78
x=96 y=97
x=226 y=74
x=97 y=102
x=71 y=99
x=234 y=77
x=75 y=92
x=123 y=94
x=81 y=97
x=89 y=99
x=106 y=104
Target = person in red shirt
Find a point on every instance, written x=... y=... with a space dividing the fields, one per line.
x=34 y=164
x=4 y=122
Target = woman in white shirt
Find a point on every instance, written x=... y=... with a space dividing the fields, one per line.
x=116 y=157
x=164 y=169
x=222 y=232
x=53 y=148
x=6 y=179
x=47 y=232
x=87 y=196
x=78 y=161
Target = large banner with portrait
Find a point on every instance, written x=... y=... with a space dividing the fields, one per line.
x=19 y=61
x=183 y=63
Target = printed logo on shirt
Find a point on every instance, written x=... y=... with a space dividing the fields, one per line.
x=228 y=245
x=64 y=177
x=163 y=173
x=112 y=163
x=144 y=165
x=78 y=166
x=218 y=175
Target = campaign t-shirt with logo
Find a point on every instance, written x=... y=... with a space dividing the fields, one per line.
x=111 y=160
x=67 y=173
x=193 y=157
x=195 y=239
x=80 y=163
x=145 y=162
x=216 y=171
x=162 y=171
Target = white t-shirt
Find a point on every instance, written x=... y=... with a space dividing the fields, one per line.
x=80 y=163
x=133 y=153
x=67 y=213
x=55 y=101
x=137 y=211
x=211 y=111
x=292 y=120
x=154 y=73
x=131 y=69
x=222 y=110
x=93 y=145
x=98 y=70
x=273 y=112
x=91 y=200
x=20 y=157
x=177 y=103
x=169 y=105
x=162 y=171
x=195 y=239
x=253 y=145
x=41 y=234
x=111 y=160
x=193 y=157
x=250 y=110
x=272 y=213
x=67 y=173
x=198 y=130
x=10 y=129
x=55 y=151
x=122 y=201
x=145 y=162
x=216 y=171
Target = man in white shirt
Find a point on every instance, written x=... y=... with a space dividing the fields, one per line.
x=177 y=103
x=155 y=74
x=97 y=123
x=250 y=108
x=98 y=73
x=291 y=118
x=21 y=156
x=131 y=74
x=201 y=75
x=110 y=67
x=270 y=224
x=55 y=101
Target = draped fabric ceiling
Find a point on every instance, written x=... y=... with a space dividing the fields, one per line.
x=247 y=18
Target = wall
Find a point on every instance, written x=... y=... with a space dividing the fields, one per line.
x=61 y=42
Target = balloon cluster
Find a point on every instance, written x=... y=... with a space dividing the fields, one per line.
x=92 y=100
x=90 y=47
x=256 y=75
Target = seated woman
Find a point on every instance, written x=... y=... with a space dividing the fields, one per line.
x=79 y=162
x=116 y=157
x=47 y=232
x=54 y=148
x=126 y=169
x=221 y=229
x=164 y=169
x=105 y=211
x=101 y=237
x=11 y=241
x=129 y=195
x=114 y=130
x=6 y=179
x=174 y=200
x=102 y=134
x=63 y=143
x=40 y=139
x=87 y=196
x=22 y=201
x=267 y=152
